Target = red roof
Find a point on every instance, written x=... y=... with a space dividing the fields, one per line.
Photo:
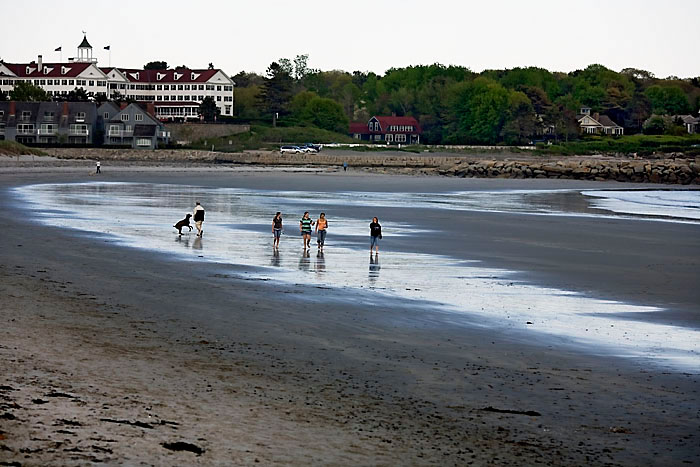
x=72 y=69
x=165 y=76
x=359 y=128
x=386 y=122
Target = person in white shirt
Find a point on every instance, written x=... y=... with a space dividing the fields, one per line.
x=198 y=217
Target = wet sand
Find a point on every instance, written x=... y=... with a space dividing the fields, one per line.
x=106 y=353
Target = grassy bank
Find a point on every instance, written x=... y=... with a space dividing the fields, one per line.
x=11 y=148
x=264 y=137
x=642 y=145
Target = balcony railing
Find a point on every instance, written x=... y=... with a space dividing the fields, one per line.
x=79 y=132
x=25 y=131
x=163 y=134
x=120 y=133
x=46 y=131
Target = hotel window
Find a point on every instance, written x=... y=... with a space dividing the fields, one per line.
x=179 y=87
x=201 y=87
x=26 y=115
x=143 y=142
x=187 y=87
x=92 y=83
x=166 y=87
x=218 y=98
x=125 y=117
x=49 y=116
x=159 y=87
x=179 y=98
x=106 y=115
x=49 y=82
x=218 y=88
x=210 y=87
x=159 y=98
x=80 y=117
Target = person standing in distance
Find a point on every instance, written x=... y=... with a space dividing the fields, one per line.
x=305 y=228
x=375 y=233
x=321 y=226
x=276 y=229
x=198 y=217
x=97 y=167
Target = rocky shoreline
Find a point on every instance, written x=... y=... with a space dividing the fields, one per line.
x=671 y=169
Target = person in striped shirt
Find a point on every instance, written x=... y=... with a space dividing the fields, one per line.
x=305 y=225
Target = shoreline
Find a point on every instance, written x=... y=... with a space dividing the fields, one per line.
x=669 y=170
x=264 y=375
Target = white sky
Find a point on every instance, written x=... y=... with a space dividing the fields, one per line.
x=564 y=35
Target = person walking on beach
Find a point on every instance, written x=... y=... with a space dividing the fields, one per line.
x=305 y=228
x=345 y=166
x=277 y=229
x=321 y=226
x=375 y=233
x=97 y=167
x=198 y=217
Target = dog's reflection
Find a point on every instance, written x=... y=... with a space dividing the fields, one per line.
x=185 y=240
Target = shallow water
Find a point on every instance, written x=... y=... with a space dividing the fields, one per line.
x=238 y=231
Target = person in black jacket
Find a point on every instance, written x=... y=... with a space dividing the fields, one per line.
x=198 y=217
x=375 y=233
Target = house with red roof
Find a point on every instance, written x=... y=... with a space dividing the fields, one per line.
x=176 y=94
x=402 y=130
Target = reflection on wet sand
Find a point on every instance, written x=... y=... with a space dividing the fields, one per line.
x=305 y=261
x=440 y=281
x=275 y=260
x=374 y=267
x=320 y=265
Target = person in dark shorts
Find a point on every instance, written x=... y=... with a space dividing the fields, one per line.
x=305 y=225
x=321 y=227
x=198 y=217
x=375 y=234
x=277 y=229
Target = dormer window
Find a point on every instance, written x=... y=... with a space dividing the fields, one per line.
x=26 y=115
x=80 y=117
x=160 y=76
x=177 y=75
x=194 y=76
x=49 y=116
x=64 y=70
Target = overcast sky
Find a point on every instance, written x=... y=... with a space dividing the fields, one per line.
x=563 y=35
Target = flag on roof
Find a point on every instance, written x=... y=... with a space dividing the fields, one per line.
x=57 y=49
x=107 y=47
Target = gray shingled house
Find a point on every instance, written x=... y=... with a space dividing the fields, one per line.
x=134 y=126
x=48 y=122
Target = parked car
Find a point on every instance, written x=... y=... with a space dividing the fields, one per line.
x=313 y=147
x=290 y=150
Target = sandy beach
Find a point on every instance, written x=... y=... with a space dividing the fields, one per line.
x=124 y=355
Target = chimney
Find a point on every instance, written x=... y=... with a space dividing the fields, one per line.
x=151 y=109
x=12 y=110
x=123 y=105
x=64 y=112
x=40 y=62
x=596 y=115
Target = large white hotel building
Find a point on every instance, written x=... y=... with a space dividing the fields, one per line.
x=176 y=94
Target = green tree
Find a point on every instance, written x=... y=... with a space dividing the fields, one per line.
x=478 y=111
x=655 y=126
x=247 y=102
x=667 y=100
x=276 y=92
x=326 y=114
x=27 y=92
x=78 y=95
x=156 y=65
x=209 y=110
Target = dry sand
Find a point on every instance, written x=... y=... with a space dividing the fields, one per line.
x=113 y=355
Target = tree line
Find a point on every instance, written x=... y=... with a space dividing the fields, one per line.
x=457 y=106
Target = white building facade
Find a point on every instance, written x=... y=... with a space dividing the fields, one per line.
x=176 y=94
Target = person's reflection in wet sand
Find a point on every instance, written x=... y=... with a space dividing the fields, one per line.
x=320 y=265
x=275 y=260
x=197 y=245
x=374 y=267
x=305 y=261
